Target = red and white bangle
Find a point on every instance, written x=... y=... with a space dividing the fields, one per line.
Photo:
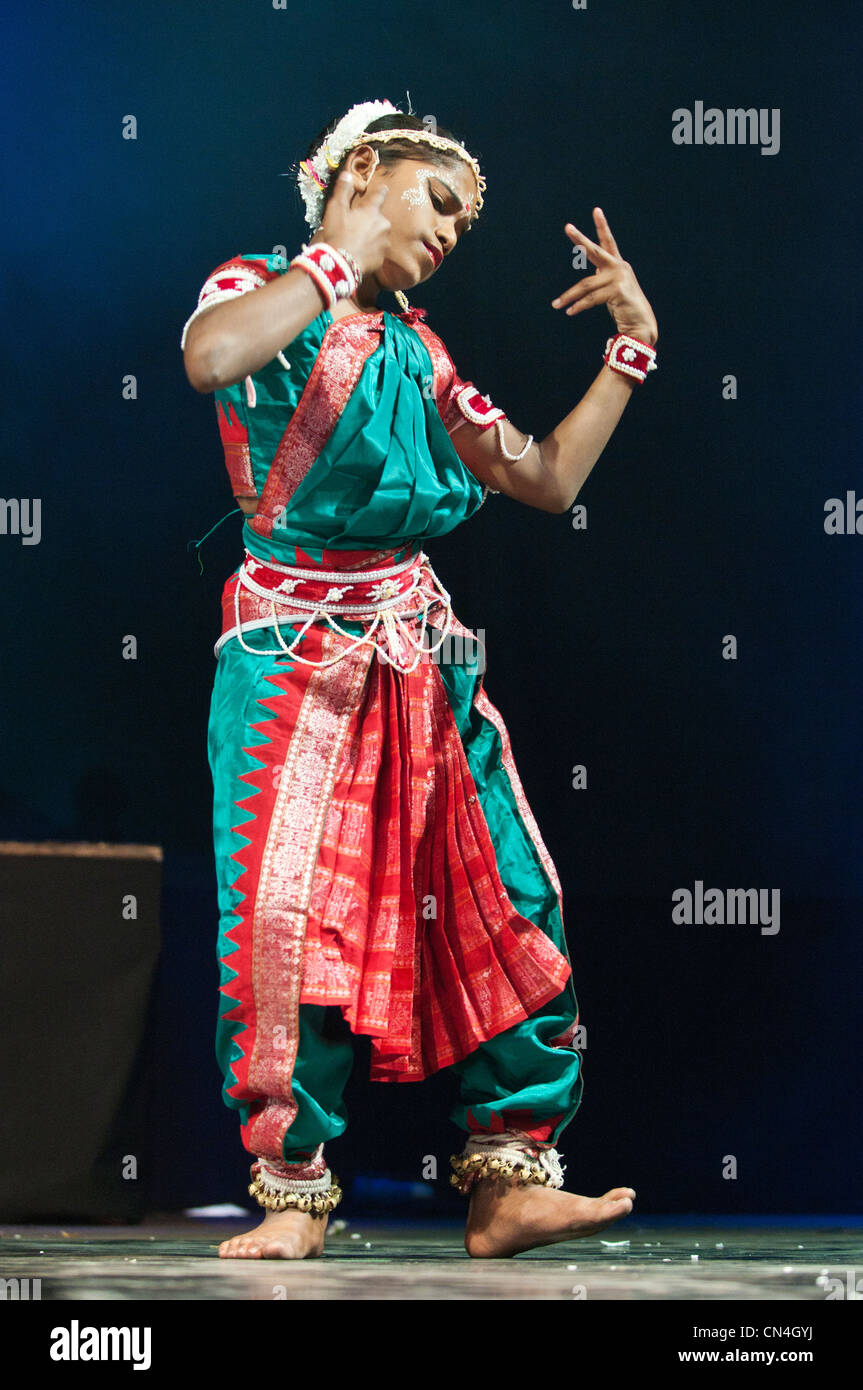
x=334 y=270
x=629 y=356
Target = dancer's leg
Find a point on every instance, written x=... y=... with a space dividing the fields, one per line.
x=324 y=1060
x=299 y=1192
x=283 y=1069
x=528 y=1078
x=518 y=1092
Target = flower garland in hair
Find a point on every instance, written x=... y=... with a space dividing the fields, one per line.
x=314 y=174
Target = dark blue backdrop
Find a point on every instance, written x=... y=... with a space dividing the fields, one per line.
x=705 y=518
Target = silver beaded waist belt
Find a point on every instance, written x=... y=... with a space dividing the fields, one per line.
x=266 y=594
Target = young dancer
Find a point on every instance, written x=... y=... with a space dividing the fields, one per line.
x=380 y=870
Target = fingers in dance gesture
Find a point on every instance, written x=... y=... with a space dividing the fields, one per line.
x=613 y=283
x=356 y=220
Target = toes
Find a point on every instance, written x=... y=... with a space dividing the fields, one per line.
x=623 y=1203
x=269 y=1244
x=238 y=1249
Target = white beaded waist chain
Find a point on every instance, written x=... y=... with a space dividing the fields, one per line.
x=399 y=637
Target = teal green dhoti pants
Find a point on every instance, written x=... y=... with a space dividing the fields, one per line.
x=517 y=1080
x=526 y=1078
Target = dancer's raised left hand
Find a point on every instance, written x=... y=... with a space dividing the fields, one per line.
x=613 y=284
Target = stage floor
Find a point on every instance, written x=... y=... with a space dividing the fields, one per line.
x=672 y=1258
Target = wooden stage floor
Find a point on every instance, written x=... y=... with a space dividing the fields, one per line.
x=672 y=1258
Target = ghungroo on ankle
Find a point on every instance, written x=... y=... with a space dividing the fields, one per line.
x=308 y=1187
x=510 y=1156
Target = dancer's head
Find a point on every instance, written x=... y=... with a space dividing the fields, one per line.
x=434 y=185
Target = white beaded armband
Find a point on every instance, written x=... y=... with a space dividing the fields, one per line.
x=504 y=450
x=227 y=282
x=478 y=410
x=230 y=284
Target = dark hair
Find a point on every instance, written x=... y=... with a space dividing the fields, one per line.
x=390 y=151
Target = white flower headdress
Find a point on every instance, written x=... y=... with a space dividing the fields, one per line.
x=314 y=174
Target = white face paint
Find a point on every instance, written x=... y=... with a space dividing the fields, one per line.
x=418 y=197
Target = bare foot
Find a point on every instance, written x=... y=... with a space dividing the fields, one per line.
x=505 y=1218
x=282 y=1235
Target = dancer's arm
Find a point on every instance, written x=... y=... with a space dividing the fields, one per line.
x=551 y=473
x=236 y=338
x=232 y=340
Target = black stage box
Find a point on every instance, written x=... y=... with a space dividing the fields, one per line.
x=79 y=933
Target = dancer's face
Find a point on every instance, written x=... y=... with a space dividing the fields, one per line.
x=427 y=202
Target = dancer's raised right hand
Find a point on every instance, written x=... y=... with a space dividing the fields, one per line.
x=357 y=223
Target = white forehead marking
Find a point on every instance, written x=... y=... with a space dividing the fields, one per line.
x=418 y=196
